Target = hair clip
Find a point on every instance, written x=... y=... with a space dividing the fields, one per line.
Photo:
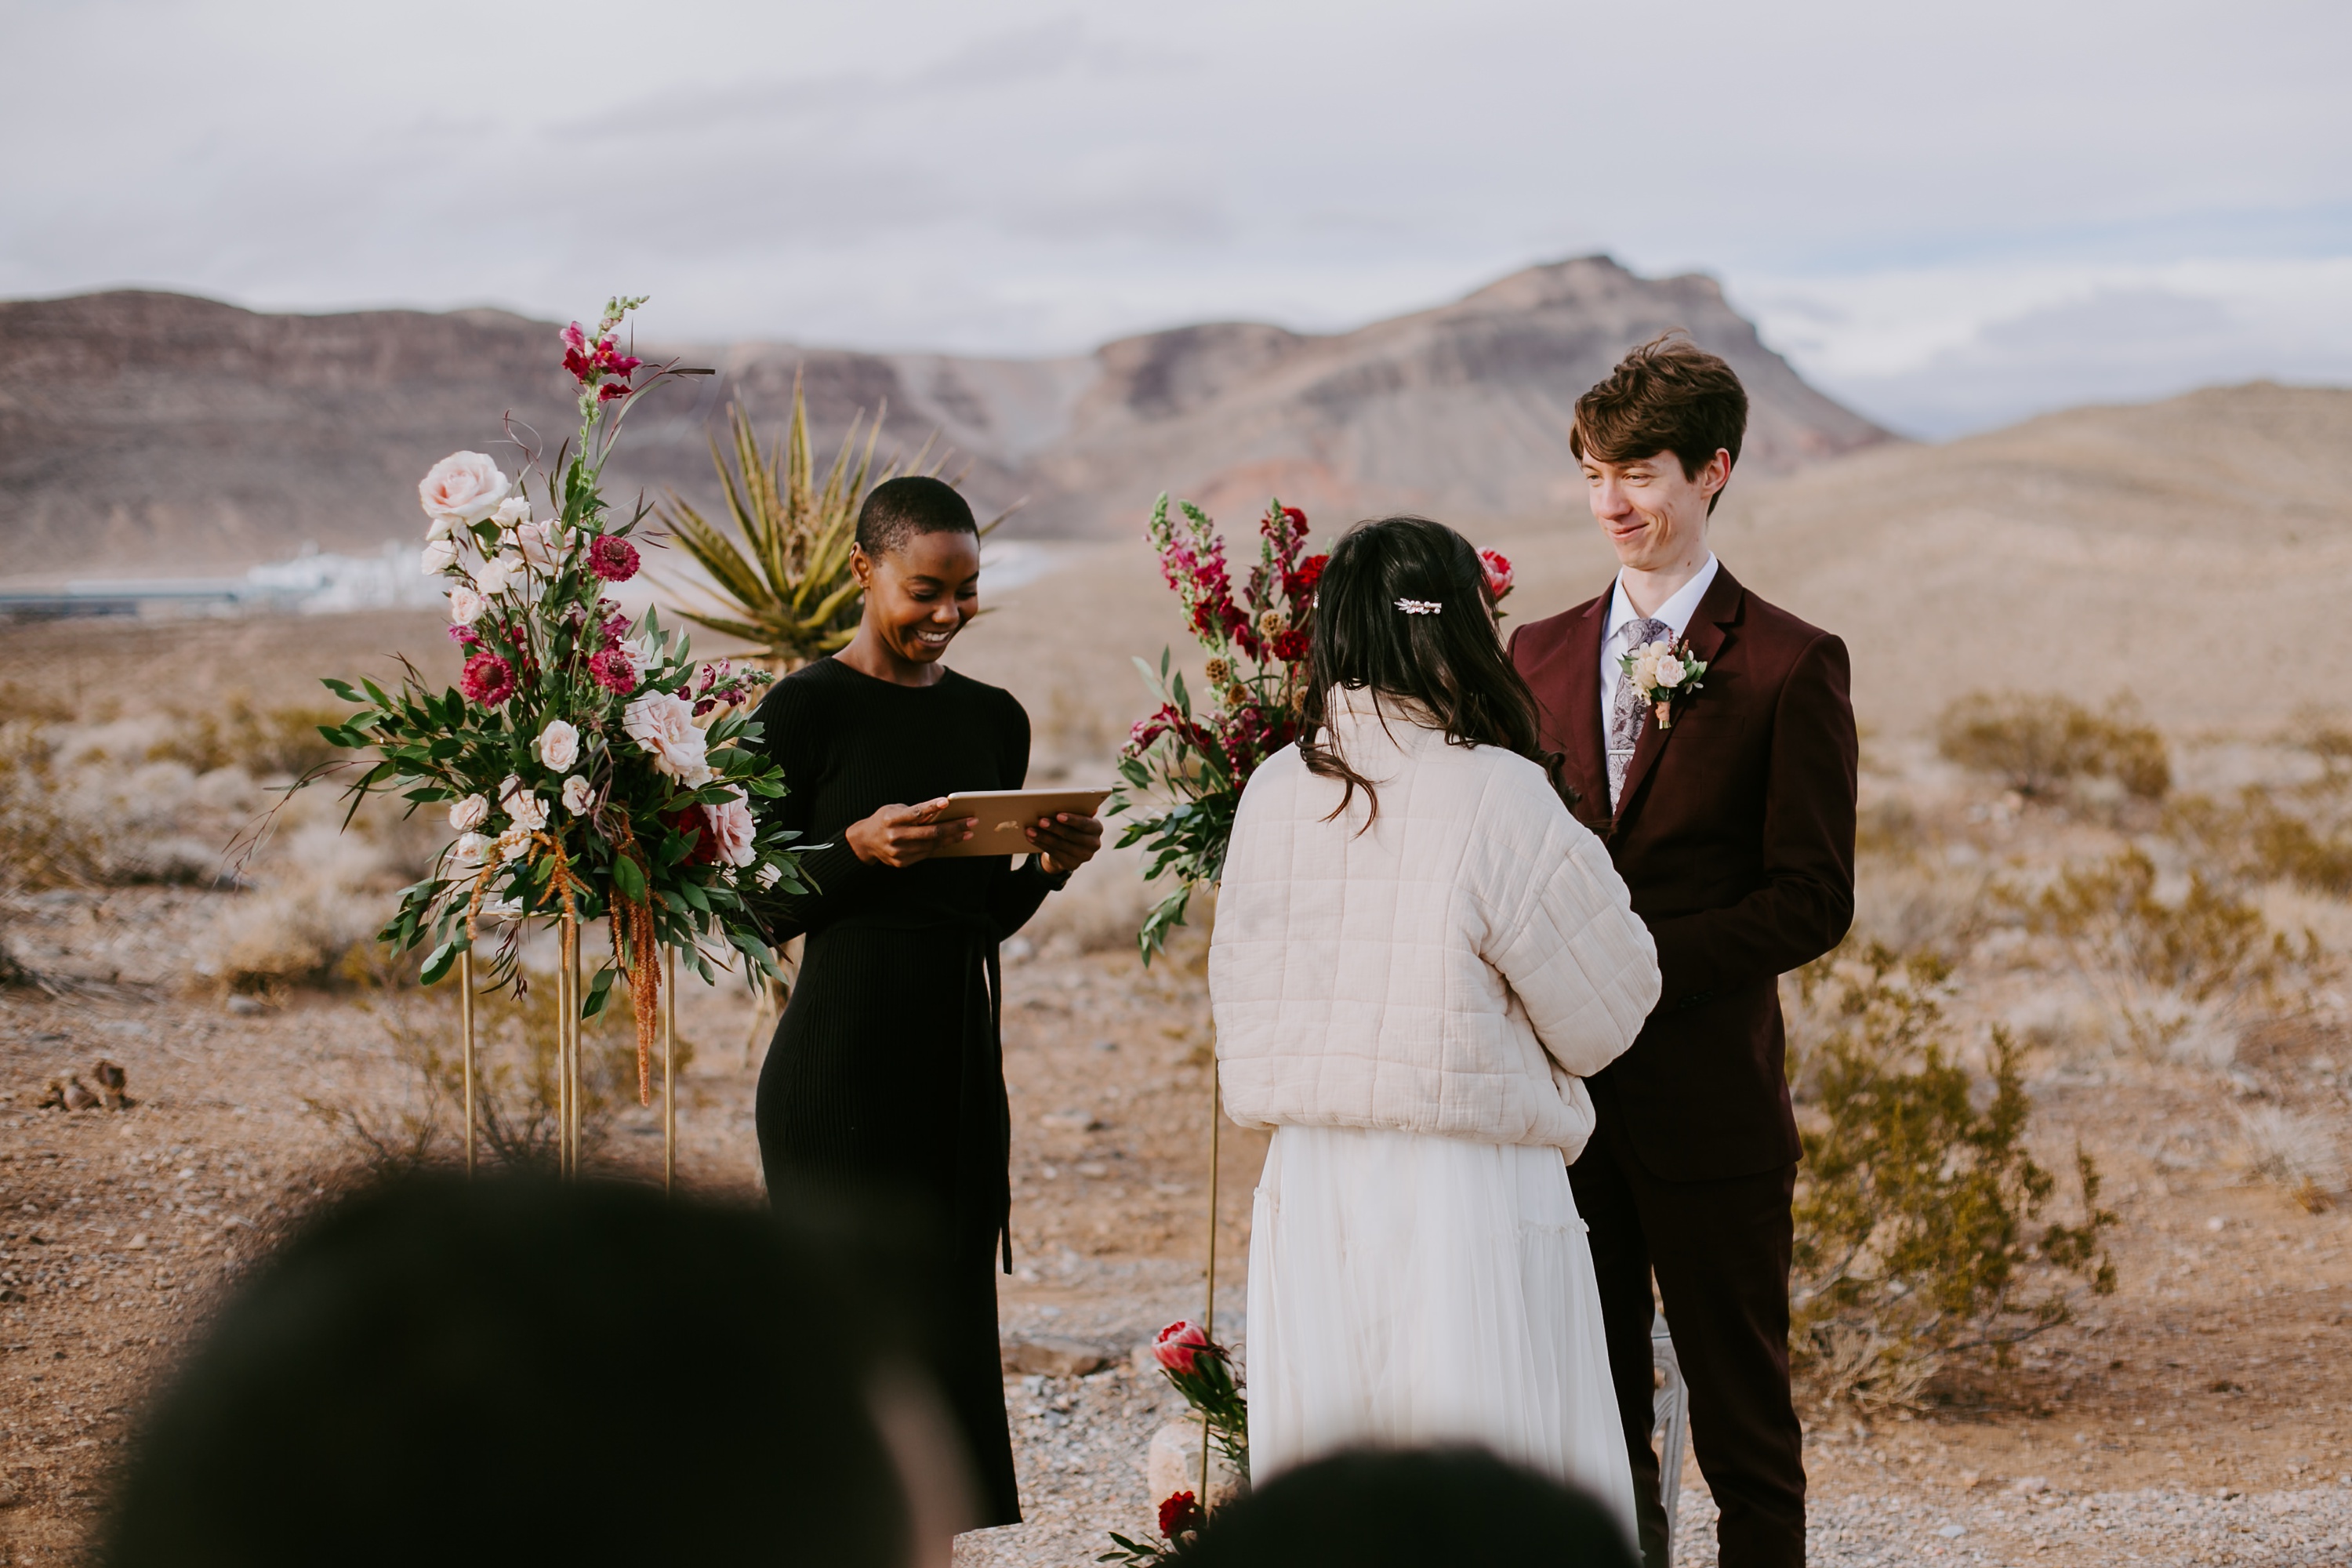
x=1420 y=606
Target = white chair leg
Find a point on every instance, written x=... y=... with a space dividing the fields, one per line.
x=1670 y=1423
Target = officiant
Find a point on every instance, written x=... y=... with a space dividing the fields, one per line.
x=884 y=1082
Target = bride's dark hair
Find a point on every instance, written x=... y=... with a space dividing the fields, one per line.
x=1448 y=661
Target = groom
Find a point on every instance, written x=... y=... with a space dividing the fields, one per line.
x=1733 y=826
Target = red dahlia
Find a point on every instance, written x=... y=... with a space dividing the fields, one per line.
x=487 y=679
x=612 y=671
x=613 y=558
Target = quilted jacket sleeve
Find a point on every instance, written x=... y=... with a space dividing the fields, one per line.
x=1563 y=935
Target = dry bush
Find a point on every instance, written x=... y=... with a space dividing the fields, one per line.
x=1911 y=906
x=42 y=843
x=322 y=893
x=2037 y=743
x=1920 y=1227
x=2175 y=974
x=40 y=704
x=514 y=1074
x=265 y=743
x=2294 y=1150
x=2267 y=835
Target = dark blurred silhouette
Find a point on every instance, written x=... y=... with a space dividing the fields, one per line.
x=517 y=1371
x=1425 y=1508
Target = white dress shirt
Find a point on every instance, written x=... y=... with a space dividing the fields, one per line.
x=1617 y=637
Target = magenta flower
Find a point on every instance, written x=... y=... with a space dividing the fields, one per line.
x=612 y=671
x=487 y=679
x=613 y=558
x=1497 y=568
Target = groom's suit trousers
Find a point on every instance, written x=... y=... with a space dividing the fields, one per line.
x=1720 y=1250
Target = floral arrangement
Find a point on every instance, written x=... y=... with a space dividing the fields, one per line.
x=1664 y=672
x=1201 y=1370
x=591 y=768
x=1194 y=765
x=1197 y=763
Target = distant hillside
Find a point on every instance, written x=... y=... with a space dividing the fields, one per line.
x=145 y=432
x=2191 y=553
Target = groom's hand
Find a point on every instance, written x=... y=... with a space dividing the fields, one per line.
x=1067 y=841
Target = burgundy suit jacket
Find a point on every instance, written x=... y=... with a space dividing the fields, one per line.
x=1735 y=835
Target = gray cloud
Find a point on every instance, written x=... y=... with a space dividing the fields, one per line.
x=1033 y=176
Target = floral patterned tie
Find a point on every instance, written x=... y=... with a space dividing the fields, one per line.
x=1625 y=715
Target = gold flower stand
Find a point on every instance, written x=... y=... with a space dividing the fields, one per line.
x=568 y=1098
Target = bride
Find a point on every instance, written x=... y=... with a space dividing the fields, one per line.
x=1419 y=956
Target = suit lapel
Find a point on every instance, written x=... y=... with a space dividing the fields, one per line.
x=1584 y=741
x=1711 y=626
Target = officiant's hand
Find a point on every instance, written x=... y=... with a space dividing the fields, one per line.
x=1067 y=841
x=903 y=835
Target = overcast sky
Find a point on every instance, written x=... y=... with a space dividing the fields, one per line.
x=1949 y=214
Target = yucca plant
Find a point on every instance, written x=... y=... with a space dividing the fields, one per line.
x=779 y=560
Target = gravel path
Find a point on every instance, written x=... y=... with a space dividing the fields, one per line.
x=1079 y=1445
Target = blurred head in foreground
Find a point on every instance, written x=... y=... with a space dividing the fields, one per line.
x=515 y=1371
x=1429 y=1507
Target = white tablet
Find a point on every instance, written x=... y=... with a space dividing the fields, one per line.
x=1001 y=817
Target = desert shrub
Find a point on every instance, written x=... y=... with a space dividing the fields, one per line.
x=319 y=894
x=42 y=844
x=1920 y=1217
x=2036 y=744
x=514 y=1073
x=2167 y=971
x=265 y=743
x=2262 y=837
x=2296 y=1150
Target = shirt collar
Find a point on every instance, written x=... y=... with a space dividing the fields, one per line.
x=1676 y=611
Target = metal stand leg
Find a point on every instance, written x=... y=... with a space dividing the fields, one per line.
x=466 y=1044
x=1209 y=1317
x=579 y=1111
x=567 y=1051
x=1670 y=1422
x=670 y=1071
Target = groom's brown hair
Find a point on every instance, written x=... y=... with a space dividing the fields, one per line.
x=1668 y=396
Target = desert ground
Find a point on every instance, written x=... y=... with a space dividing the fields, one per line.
x=2195 y=1415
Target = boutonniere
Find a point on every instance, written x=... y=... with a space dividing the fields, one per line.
x=1664 y=672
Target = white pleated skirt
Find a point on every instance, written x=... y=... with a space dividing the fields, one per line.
x=1408 y=1290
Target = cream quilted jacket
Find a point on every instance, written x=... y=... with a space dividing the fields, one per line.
x=1458 y=969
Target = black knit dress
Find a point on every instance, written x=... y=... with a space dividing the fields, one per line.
x=884 y=1082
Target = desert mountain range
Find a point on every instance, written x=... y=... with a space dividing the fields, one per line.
x=2190 y=555
x=147 y=433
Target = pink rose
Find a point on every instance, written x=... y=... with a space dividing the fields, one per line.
x=462 y=488
x=732 y=827
x=664 y=726
x=1179 y=1346
x=535 y=542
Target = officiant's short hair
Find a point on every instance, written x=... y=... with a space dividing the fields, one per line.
x=898 y=510
x=1667 y=395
